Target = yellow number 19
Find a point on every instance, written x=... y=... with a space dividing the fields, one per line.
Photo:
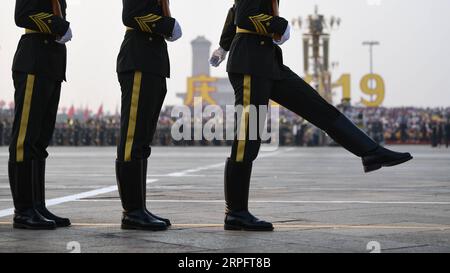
x=378 y=90
x=345 y=82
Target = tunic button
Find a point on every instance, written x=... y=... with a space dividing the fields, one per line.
x=150 y=39
x=45 y=41
x=262 y=43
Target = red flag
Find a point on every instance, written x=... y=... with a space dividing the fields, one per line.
x=71 y=112
x=100 y=111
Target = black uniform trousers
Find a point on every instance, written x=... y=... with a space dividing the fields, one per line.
x=289 y=91
x=143 y=95
x=36 y=101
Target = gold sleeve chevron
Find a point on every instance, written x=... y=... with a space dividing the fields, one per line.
x=261 y=22
x=41 y=22
x=143 y=21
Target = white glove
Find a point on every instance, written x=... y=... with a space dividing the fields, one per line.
x=176 y=33
x=218 y=56
x=67 y=37
x=285 y=37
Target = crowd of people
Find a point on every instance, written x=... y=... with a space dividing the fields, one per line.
x=426 y=126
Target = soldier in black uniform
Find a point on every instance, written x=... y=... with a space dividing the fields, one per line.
x=142 y=67
x=38 y=69
x=253 y=34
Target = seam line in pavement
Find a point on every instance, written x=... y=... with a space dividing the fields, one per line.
x=286 y=226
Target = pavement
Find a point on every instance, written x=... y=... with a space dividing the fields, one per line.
x=319 y=200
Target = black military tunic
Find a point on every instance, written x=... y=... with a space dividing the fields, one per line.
x=255 y=54
x=144 y=47
x=37 y=53
x=39 y=67
x=142 y=67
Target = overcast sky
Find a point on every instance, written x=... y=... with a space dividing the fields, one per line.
x=413 y=57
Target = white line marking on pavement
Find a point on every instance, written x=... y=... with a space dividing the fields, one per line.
x=76 y=197
x=51 y=186
x=56 y=201
x=70 y=198
x=199 y=169
x=213 y=166
x=169 y=175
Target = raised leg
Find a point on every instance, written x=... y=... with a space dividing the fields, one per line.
x=296 y=95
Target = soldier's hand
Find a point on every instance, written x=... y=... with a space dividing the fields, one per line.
x=67 y=37
x=218 y=56
x=285 y=37
x=176 y=33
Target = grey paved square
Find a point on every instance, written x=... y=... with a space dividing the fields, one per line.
x=318 y=198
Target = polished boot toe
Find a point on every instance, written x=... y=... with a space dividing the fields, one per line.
x=31 y=219
x=244 y=220
x=59 y=221
x=382 y=157
x=141 y=220
x=144 y=177
x=165 y=220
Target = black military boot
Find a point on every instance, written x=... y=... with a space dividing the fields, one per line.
x=344 y=132
x=382 y=157
x=25 y=214
x=167 y=221
x=237 y=185
x=131 y=183
x=38 y=179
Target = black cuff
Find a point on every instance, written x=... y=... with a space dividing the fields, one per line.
x=60 y=26
x=226 y=47
x=279 y=25
x=165 y=26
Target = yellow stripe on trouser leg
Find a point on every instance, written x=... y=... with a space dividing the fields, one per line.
x=133 y=114
x=244 y=119
x=24 y=118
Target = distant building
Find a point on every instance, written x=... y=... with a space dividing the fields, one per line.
x=200 y=53
x=212 y=90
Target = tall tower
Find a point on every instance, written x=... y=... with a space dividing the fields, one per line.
x=316 y=50
x=200 y=56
